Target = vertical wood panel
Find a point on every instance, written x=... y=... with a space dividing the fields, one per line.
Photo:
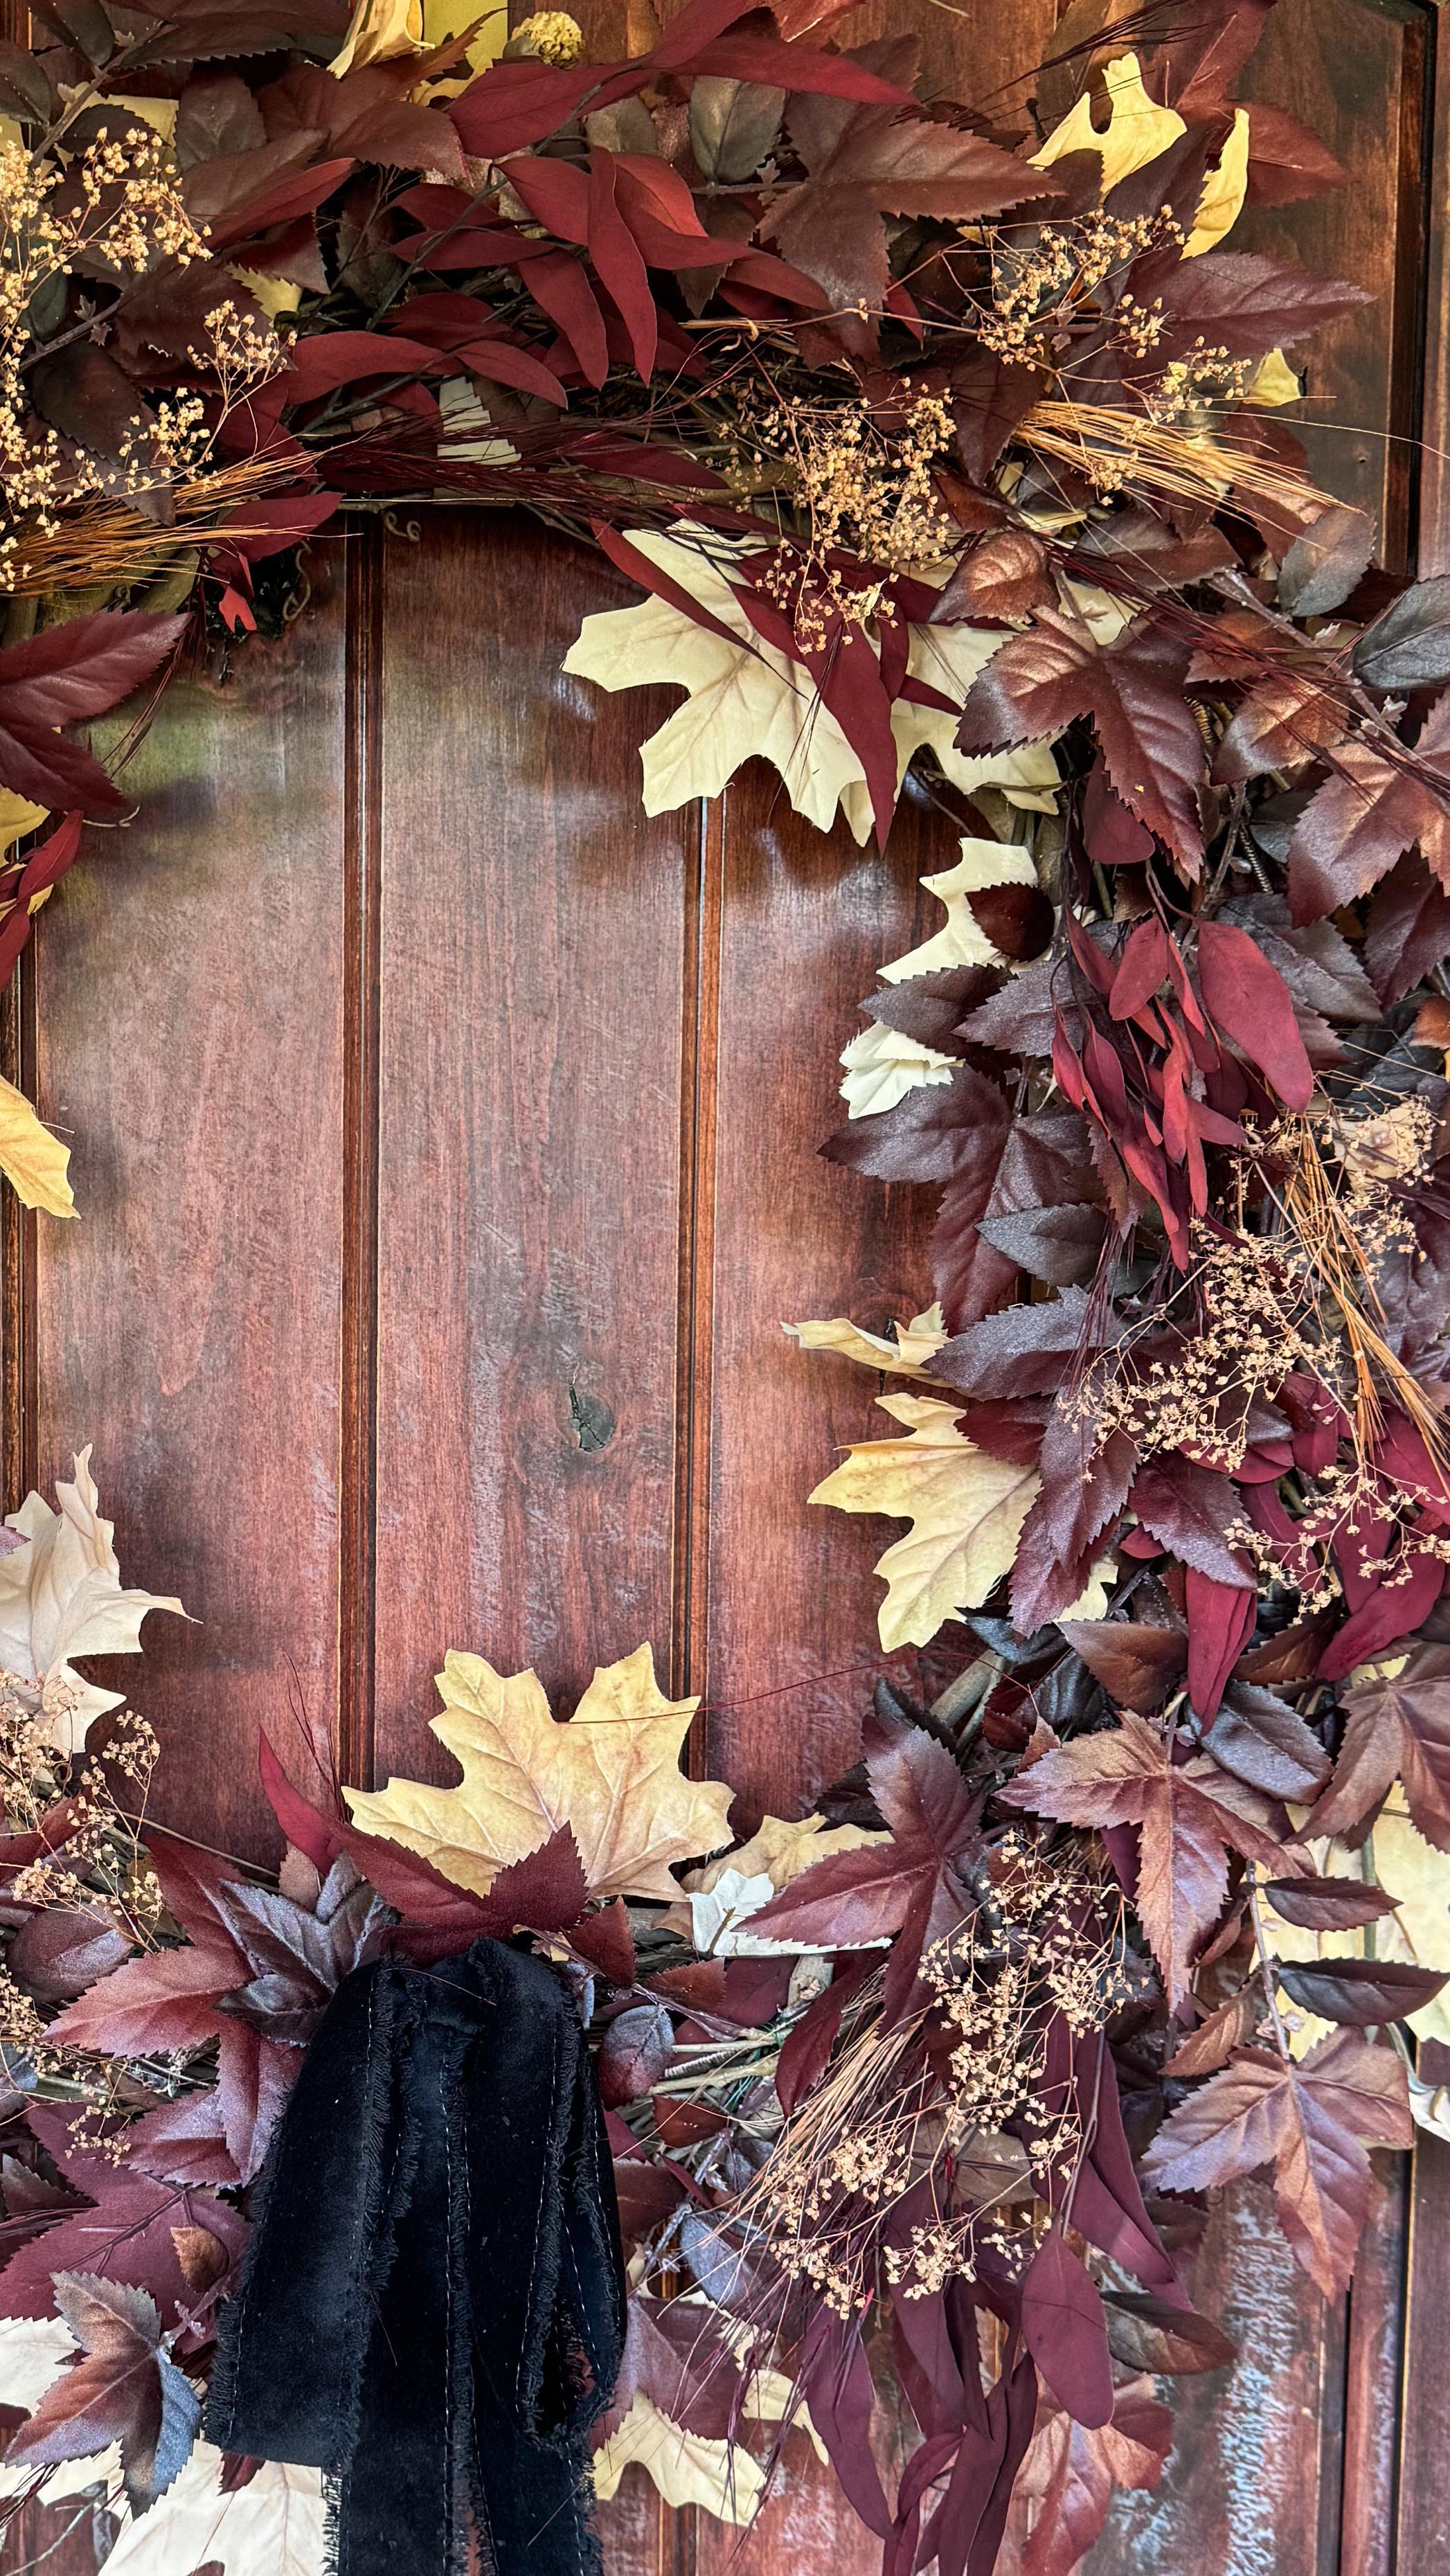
x=1423 y=2522
x=1356 y=73
x=532 y=939
x=190 y=1040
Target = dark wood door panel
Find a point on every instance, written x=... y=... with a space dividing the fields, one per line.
x=1359 y=74
x=189 y=996
x=530 y=978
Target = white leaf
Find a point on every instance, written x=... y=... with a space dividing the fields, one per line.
x=61 y=1596
x=273 y=2526
x=687 y=2468
x=882 y=1066
x=960 y=942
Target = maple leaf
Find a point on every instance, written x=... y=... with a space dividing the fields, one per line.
x=687 y=2468
x=908 y=1354
x=125 y=2390
x=125 y=2235
x=1396 y=1726
x=966 y=1510
x=31 y=1158
x=61 y=1596
x=1188 y=1816
x=1133 y=692
x=911 y=1885
x=1368 y=813
x=611 y=1774
x=748 y=698
x=963 y=940
x=379 y=31
x=1313 y=2122
x=273 y=2525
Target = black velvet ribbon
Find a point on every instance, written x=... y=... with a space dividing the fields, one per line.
x=432 y=2306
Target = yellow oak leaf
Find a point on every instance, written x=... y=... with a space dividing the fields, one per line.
x=747 y=699
x=909 y=1355
x=960 y=942
x=687 y=2468
x=1136 y=132
x=31 y=1158
x=967 y=1511
x=1224 y=191
x=61 y=1596
x=611 y=1773
x=18 y=816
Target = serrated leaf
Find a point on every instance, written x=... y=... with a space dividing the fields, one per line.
x=611 y=1774
x=966 y=1511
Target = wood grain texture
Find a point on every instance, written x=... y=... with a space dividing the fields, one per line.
x=532 y=938
x=1357 y=74
x=1422 y=2527
x=189 y=992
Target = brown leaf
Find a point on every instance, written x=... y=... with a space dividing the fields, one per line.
x=1132 y=691
x=1313 y=2121
x=1189 y=1816
x=1396 y=1726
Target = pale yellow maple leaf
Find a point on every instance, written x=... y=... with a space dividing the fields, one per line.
x=960 y=941
x=966 y=1508
x=745 y=698
x=910 y=1354
x=611 y=1774
x=1137 y=131
x=61 y=1596
x=687 y=2468
x=779 y=1850
x=32 y=1159
x=33 y=2352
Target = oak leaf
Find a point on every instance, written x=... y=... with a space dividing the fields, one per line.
x=908 y=1354
x=61 y=1596
x=1189 y=1816
x=747 y=698
x=31 y=1158
x=611 y=1774
x=1313 y=2122
x=1137 y=131
x=966 y=1510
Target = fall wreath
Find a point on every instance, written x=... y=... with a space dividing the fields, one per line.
x=931 y=436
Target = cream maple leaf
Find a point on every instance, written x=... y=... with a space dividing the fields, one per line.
x=966 y=1510
x=687 y=2468
x=882 y=1065
x=611 y=1774
x=61 y=1596
x=33 y=2351
x=746 y=698
x=275 y=2525
x=723 y=1895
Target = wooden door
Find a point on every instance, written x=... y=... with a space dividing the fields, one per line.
x=446 y=1134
